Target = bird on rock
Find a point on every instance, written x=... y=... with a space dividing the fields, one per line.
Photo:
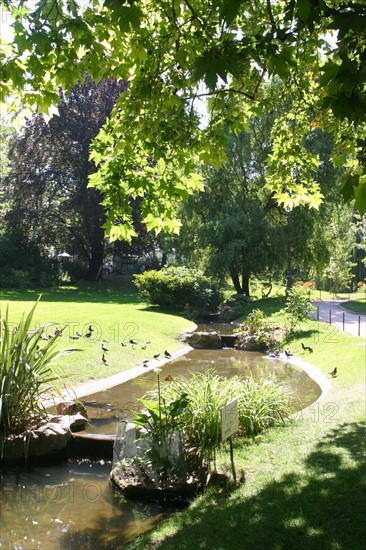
x=333 y=373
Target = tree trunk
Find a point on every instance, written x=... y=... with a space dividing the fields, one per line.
x=236 y=281
x=95 y=261
x=245 y=276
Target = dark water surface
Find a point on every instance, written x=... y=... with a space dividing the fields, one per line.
x=72 y=505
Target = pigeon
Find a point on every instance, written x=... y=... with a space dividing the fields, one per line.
x=333 y=373
x=133 y=342
x=167 y=354
x=145 y=363
x=104 y=359
x=88 y=334
x=156 y=355
x=306 y=348
x=74 y=337
x=104 y=348
x=123 y=344
x=77 y=334
x=148 y=341
x=288 y=353
x=143 y=347
x=90 y=328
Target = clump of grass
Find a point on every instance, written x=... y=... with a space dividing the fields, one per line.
x=260 y=405
x=263 y=404
x=26 y=373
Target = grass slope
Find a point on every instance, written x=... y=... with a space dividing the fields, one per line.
x=304 y=483
x=116 y=315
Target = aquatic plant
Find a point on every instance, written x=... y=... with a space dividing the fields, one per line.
x=26 y=371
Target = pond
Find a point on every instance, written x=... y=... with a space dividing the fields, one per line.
x=105 y=408
x=69 y=506
x=72 y=505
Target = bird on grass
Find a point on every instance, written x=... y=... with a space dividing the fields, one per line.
x=148 y=341
x=306 y=348
x=123 y=344
x=156 y=356
x=288 y=353
x=333 y=373
x=104 y=359
x=167 y=354
x=104 y=348
x=90 y=329
x=88 y=334
x=74 y=337
x=143 y=347
x=134 y=342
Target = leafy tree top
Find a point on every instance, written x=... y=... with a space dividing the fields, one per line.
x=177 y=53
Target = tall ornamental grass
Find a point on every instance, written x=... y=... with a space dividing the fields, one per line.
x=26 y=373
x=260 y=405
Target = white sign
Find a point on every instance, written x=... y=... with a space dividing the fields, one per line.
x=229 y=419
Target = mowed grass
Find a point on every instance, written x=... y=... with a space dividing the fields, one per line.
x=116 y=314
x=356 y=306
x=304 y=484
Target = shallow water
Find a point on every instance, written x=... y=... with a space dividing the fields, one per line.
x=72 y=506
x=107 y=407
x=69 y=506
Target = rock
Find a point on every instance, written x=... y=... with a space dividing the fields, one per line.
x=78 y=422
x=71 y=408
x=202 y=340
x=250 y=342
x=228 y=314
x=49 y=438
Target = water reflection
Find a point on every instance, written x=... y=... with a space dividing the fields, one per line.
x=69 y=506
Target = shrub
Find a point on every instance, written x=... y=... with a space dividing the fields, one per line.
x=257 y=324
x=298 y=308
x=26 y=372
x=178 y=288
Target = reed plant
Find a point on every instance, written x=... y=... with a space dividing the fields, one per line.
x=26 y=371
x=260 y=405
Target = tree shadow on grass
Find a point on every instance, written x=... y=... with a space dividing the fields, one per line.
x=322 y=509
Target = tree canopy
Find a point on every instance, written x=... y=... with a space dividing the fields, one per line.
x=177 y=53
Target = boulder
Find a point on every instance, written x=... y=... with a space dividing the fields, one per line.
x=48 y=439
x=71 y=408
x=250 y=342
x=203 y=340
x=228 y=313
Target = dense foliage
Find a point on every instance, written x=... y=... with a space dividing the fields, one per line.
x=177 y=54
x=46 y=185
x=180 y=288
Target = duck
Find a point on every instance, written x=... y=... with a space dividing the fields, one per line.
x=306 y=348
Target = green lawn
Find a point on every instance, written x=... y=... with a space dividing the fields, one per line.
x=356 y=306
x=116 y=314
x=304 y=483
